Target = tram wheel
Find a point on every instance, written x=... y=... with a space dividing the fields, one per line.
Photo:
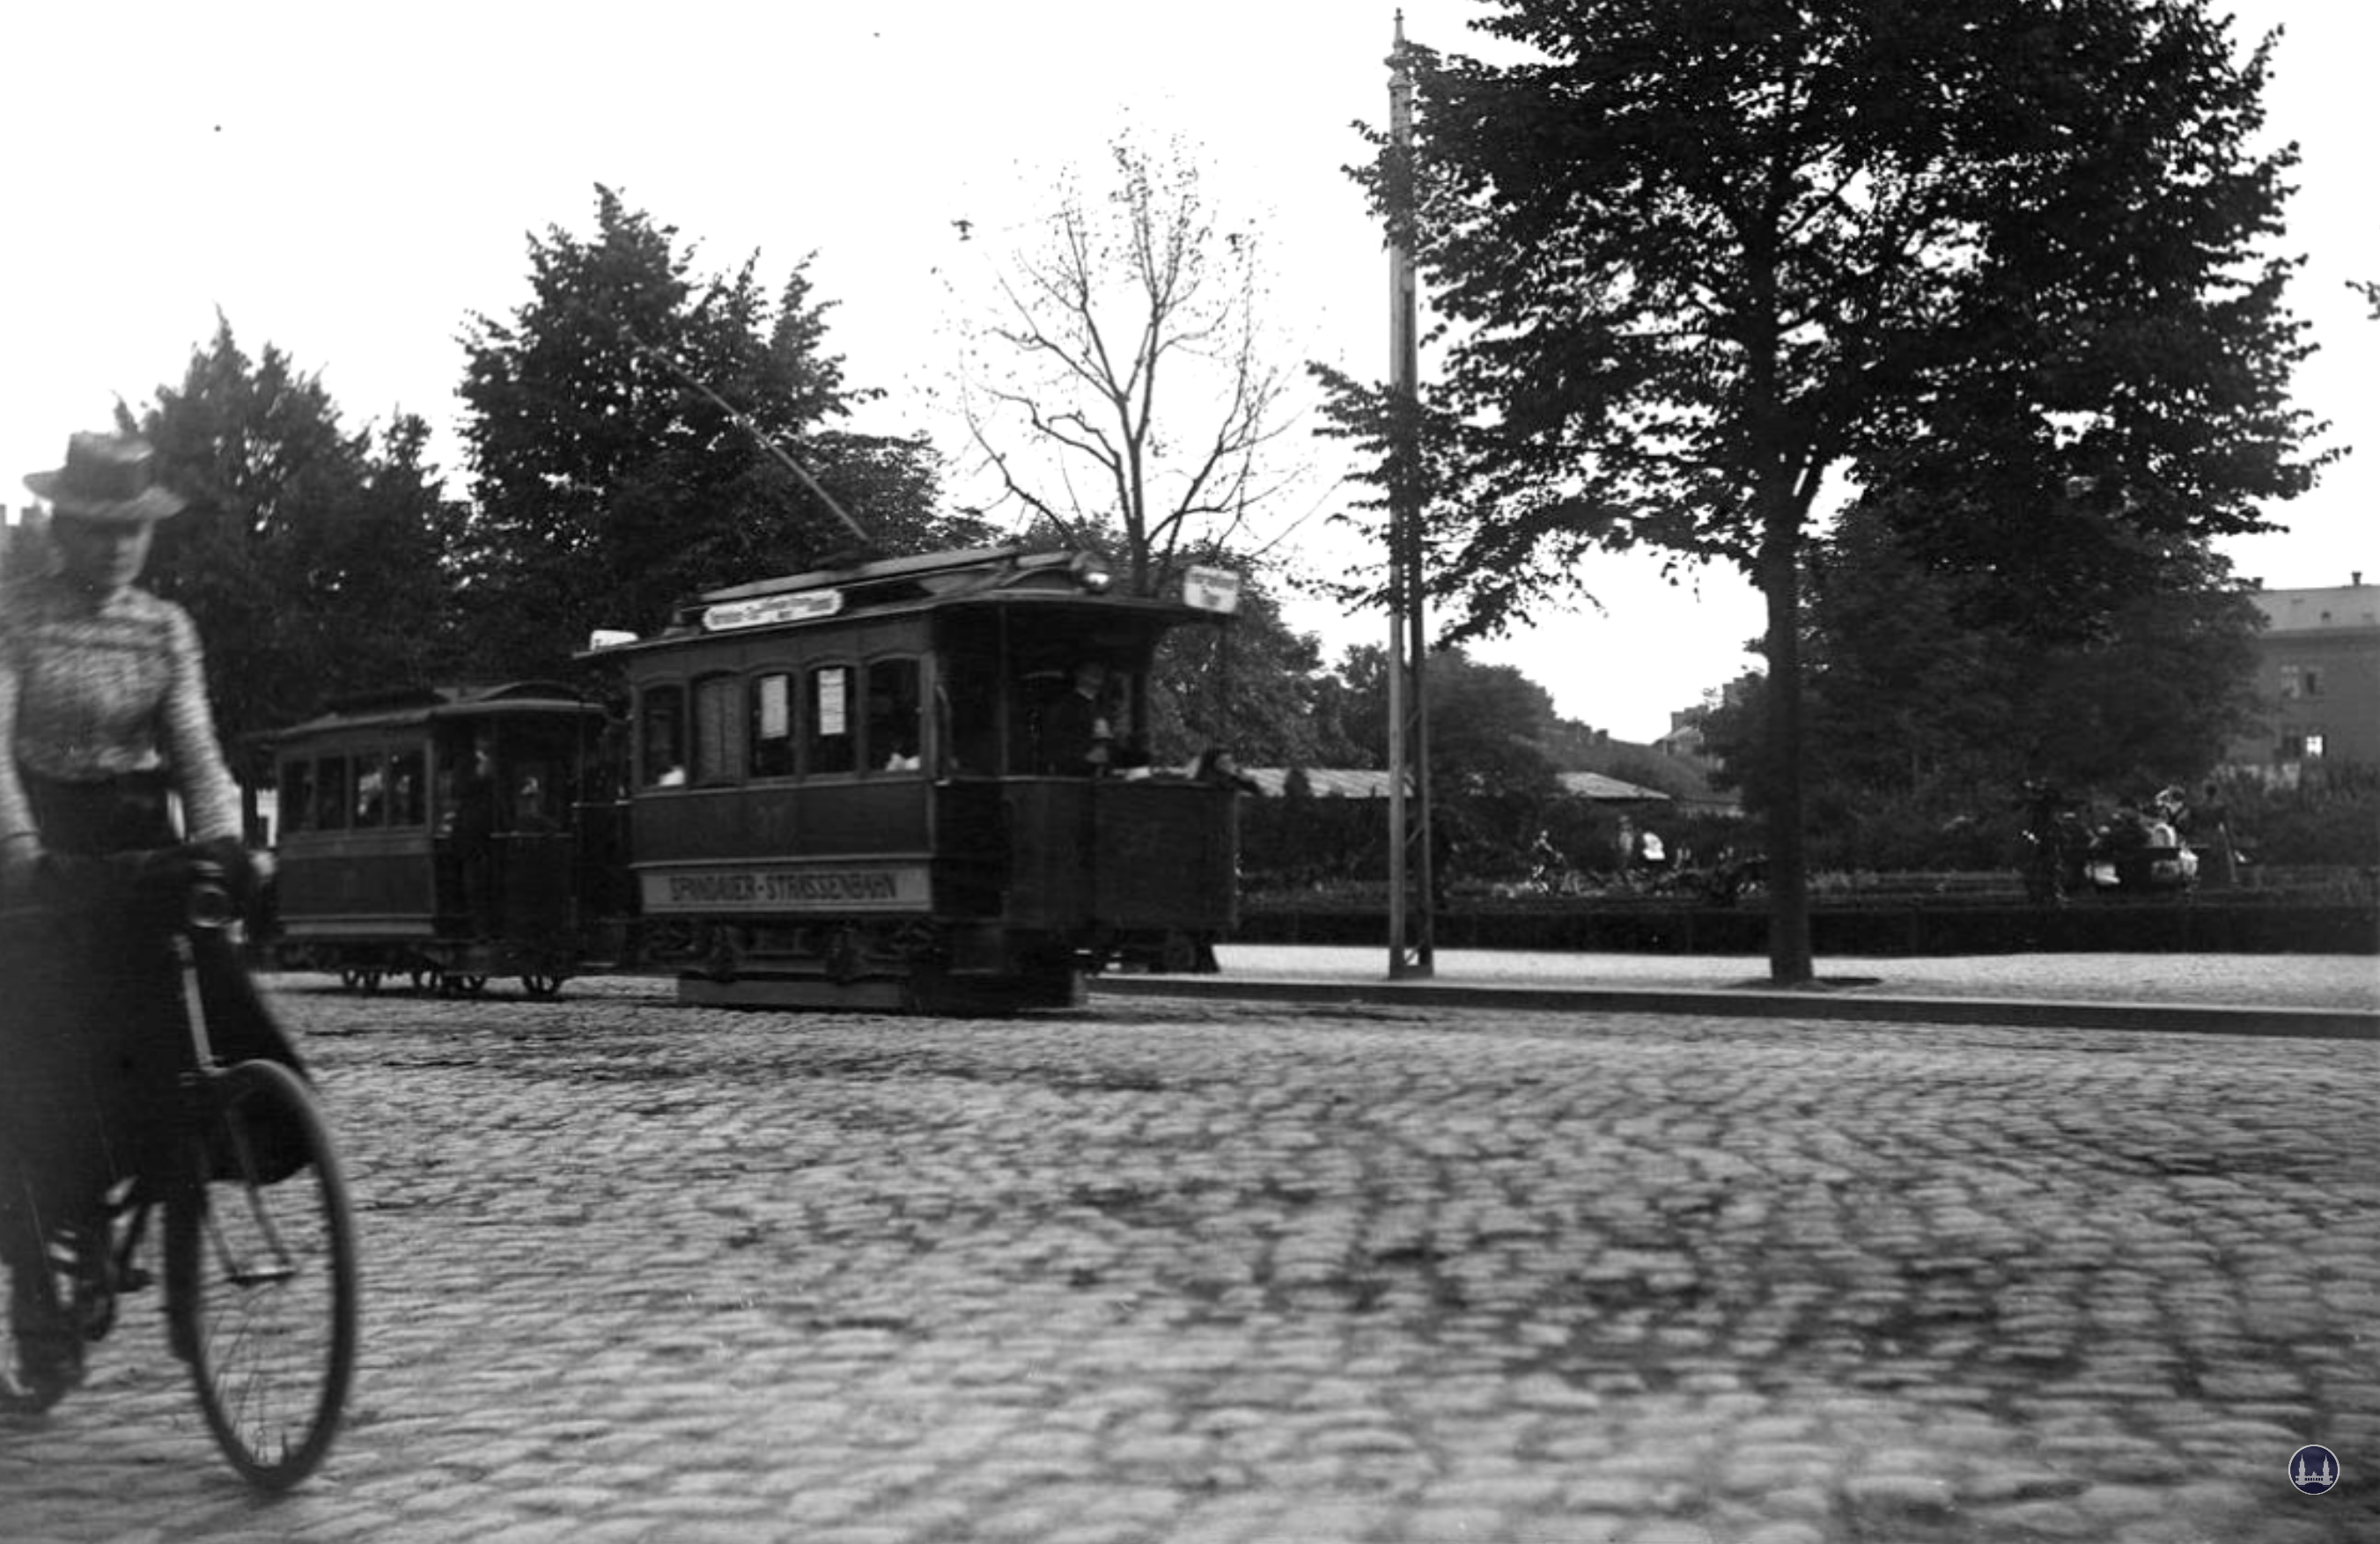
x=542 y=987
x=463 y=986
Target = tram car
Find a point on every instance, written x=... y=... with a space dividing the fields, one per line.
x=449 y=836
x=848 y=788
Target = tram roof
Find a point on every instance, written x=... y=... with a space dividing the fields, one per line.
x=983 y=576
x=400 y=707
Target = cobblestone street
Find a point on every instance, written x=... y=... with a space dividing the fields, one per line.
x=1174 y=1271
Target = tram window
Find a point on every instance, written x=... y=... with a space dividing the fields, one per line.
x=714 y=730
x=772 y=725
x=661 y=736
x=407 y=789
x=829 y=746
x=331 y=793
x=967 y=700
x=537 y=801
x=296 y=796
x=371 y=793
x=893 y=725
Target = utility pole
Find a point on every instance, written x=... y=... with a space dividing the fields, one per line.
x=1412 y=945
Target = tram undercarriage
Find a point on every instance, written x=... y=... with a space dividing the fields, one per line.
x=900 y=965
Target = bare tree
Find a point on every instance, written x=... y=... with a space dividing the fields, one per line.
x=1061 y=386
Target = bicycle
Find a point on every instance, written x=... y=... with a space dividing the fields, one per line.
x=259 y=1248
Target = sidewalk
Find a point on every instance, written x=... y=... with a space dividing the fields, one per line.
x=2329 y=996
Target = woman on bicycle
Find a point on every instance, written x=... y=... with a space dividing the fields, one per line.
x=103 y=722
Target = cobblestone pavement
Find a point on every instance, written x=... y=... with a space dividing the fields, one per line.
x=1212 y=1272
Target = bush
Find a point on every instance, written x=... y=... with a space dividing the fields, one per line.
x=2331 y=818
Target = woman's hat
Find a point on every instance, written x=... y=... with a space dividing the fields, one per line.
x=109 y=477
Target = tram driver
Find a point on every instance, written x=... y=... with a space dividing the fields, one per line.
x=1076 y=736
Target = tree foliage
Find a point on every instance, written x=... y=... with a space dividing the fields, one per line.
x=1492 y=777
x=1135 y=286
x=313 y=559
x=626 y=426
x=1699 y=257
x=1928 y=708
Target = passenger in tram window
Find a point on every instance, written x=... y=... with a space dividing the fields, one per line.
x=1076 y=738
x=530 y=815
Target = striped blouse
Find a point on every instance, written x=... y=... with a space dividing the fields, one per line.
x=92 y=687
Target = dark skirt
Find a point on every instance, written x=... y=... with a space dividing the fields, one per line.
x=93 y=1024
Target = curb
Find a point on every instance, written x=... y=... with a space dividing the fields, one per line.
x=2296 y=1023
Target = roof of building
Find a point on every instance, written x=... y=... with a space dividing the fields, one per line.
x=2343 y=606
x=1359 y=782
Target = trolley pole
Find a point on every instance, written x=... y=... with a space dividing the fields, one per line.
x=1412 y=945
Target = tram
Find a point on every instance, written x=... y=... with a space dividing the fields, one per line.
x=449 y=834
x=842 y=788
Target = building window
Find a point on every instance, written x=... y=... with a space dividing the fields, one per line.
x=2314 y=746
x=2300 y=680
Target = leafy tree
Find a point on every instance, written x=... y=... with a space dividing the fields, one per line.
x=1926 y=708
x=1249 y=686
x=312 y=560
x=1699 y=257
x=1491 y=776
x=629 y=428
x=1133 y=285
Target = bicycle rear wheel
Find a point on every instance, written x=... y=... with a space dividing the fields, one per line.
x=260 y=1262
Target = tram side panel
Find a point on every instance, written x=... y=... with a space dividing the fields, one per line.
x=1165 y=856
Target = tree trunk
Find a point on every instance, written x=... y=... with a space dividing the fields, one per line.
x=1790 y=961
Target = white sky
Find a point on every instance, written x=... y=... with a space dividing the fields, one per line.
x=348 y=190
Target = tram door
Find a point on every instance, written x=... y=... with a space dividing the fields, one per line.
x=506 y=857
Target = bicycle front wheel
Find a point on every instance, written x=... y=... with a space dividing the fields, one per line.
x=261 y=1261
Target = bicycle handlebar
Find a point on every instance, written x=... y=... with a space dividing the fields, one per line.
x=204 y=886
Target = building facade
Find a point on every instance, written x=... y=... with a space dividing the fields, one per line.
x=2317 y=679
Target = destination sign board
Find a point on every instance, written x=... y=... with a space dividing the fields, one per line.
x=742 y=887
x=1210 y=589
x=767 y=609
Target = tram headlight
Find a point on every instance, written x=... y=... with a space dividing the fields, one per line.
x=1092 y=574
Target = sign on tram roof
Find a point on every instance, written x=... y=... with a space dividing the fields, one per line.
x=767 y=609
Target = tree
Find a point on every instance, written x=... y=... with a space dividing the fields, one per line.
x=1249 y=684
x=1926 y=703
x=1063 y=380
x=629 y=428
x=314 y=562
x=1491 y=774
x=1697 y=257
